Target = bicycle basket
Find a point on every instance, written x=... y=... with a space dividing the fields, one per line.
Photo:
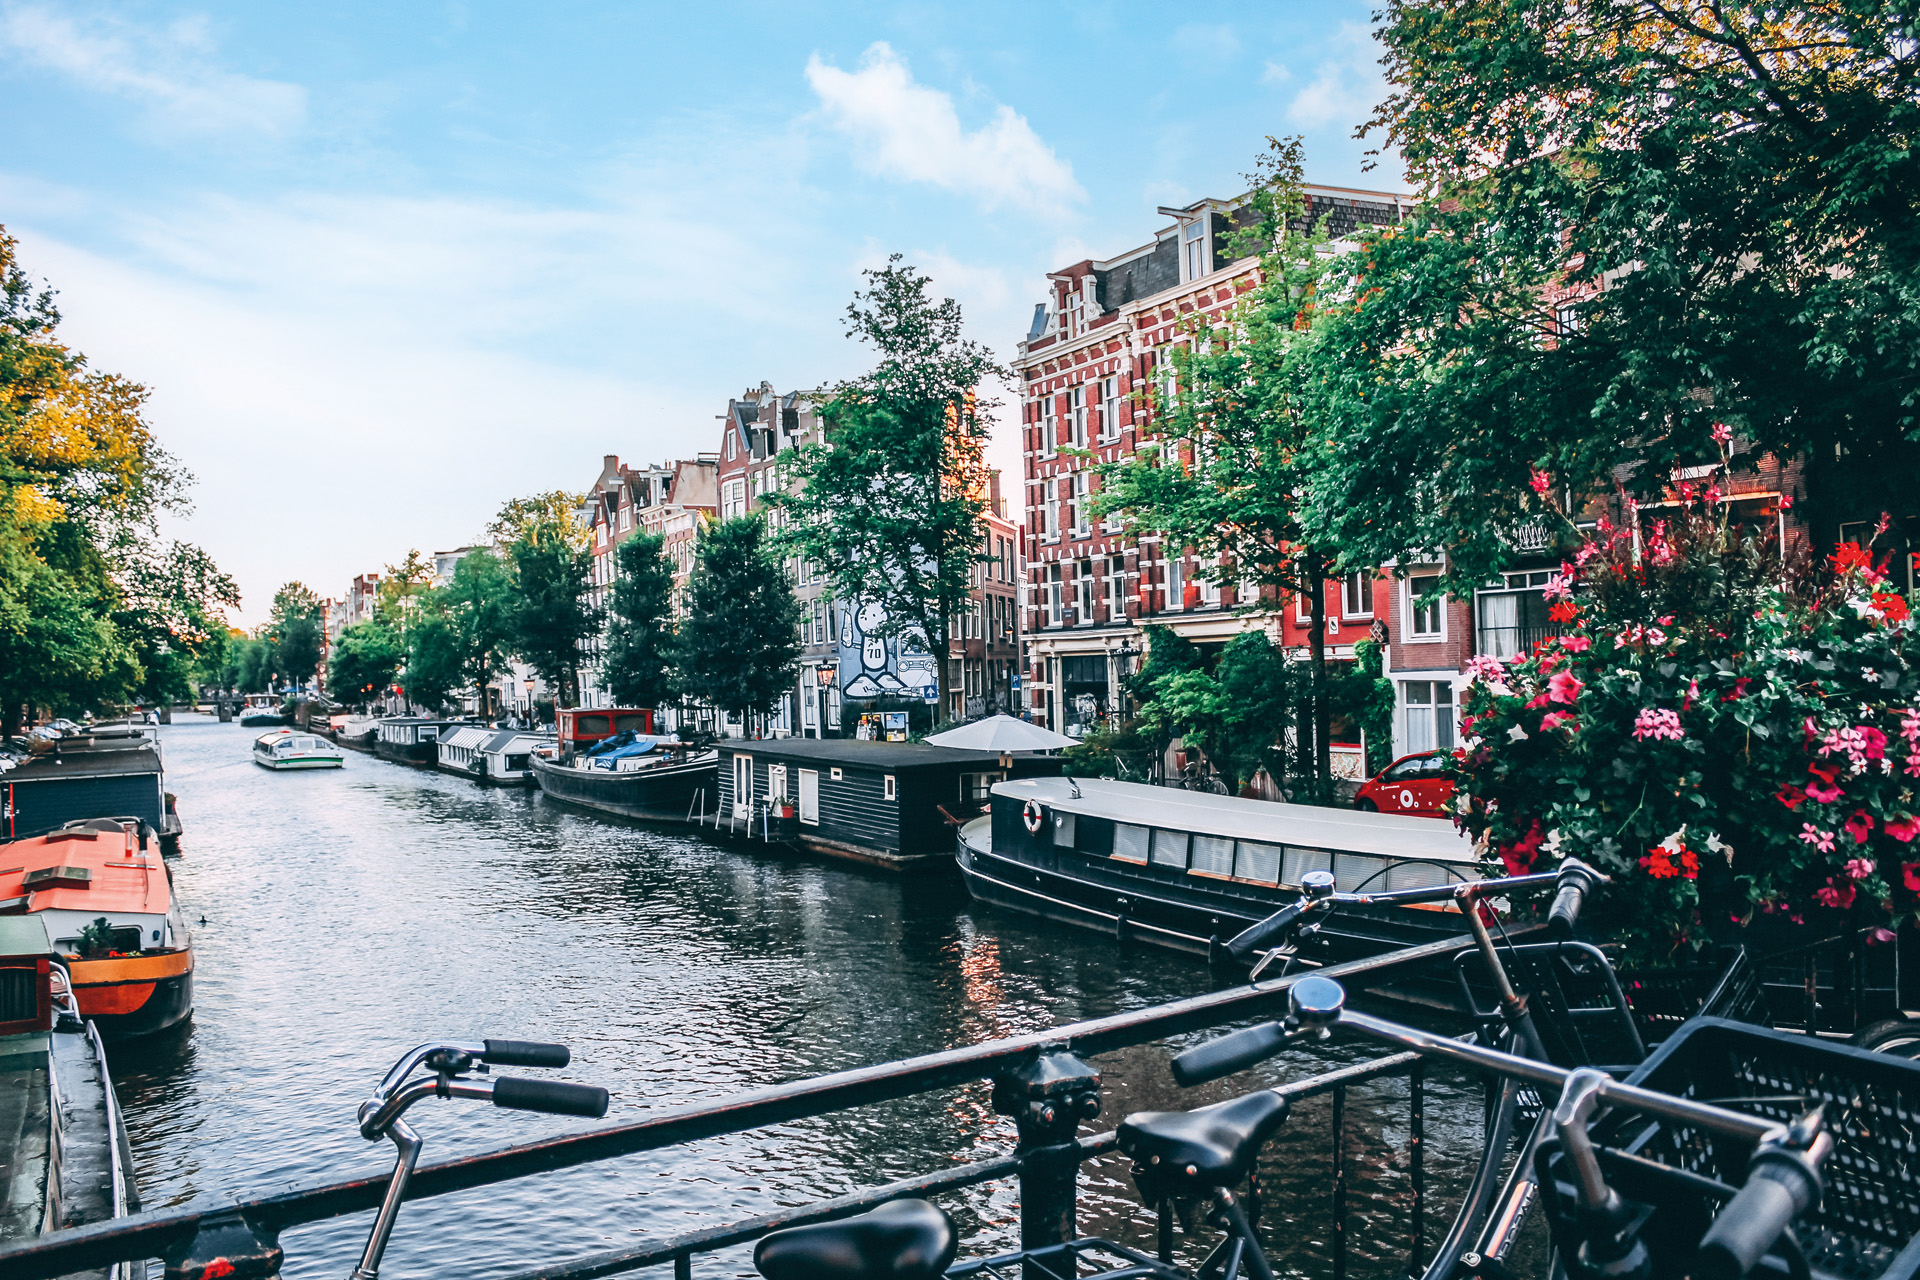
x=1867 y=1225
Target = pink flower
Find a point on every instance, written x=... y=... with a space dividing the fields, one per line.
x=1563 y=688
x=1657 y=723
x=1859 y=868
x=1559 y=586
x=1575 y=644
x=1540 y=481
x=1878 y=935
x=1824 y=792
x=1722 y=433
x=1831 y=895
x=1554 y=719
x=1910 y=875
x=1821 y=840
x=1902 y=829
x=1481 y=667
x=1859 y=825
x=1873 y=743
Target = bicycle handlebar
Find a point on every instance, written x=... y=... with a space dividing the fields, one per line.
x=524 y=1053
x=1256 y=936
x=1229 y=1053
x=1781 y=1185
x=555 y=1097
x=1575 y=879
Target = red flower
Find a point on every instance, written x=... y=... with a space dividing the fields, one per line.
x=1519 y=855
x=1689 y=864
x=1902 y=829
x=1851 y=555
x=1790 y=795
x=1825 y=772
x=1891 y=607
x=1824 y=792
x=1910 y=874
x=1659 y=864
x=1739 y=689
x=1860 y=826
x=1563 y=611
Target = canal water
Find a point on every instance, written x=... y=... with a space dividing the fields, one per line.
x=342 y=917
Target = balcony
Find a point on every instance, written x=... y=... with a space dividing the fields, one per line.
x=1506 y=643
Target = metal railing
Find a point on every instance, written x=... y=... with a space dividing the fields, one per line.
x=1039 y=1079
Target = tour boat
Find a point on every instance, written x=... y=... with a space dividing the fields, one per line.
x=1189 y=870
x=262 y=709
x=659 y=779
x=285 y=749
x=107 y=901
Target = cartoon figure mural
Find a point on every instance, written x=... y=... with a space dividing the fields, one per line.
x=878 y=666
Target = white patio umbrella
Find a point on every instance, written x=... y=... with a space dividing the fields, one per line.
x=1000 y=733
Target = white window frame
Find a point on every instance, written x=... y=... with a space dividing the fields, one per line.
x=1053 y=600
x=1410 y=632
x=1077 y=414
x=1082 y=491
x=1050 y=509
x=889 y=787
x=1175 y=583
x=1360 y=582
x=806 y=776
x=1116 y=590
x=1083 y=591
x=1049 y=426
x=1110 y=407
x=776 y=782
x=1194 y=258
x=742 y=769
x=1432 y=739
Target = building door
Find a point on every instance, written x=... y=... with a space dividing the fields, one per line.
x=742 y=786
x=810 y=796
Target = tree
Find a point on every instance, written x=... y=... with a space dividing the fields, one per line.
x=639 y=666
x=740 y=639
x=890 y=503
x=1638 y=220
x=479 y=604
x=552 y=565
x=365 y=662
x=1224 y=476
x=294 y=632
x=435 y=666
x=400 y=586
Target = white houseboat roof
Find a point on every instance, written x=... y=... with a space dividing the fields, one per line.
x=504 y=740
x=471 y=735
x=1341 y=830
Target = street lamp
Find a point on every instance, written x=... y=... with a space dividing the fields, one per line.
x=532 y=720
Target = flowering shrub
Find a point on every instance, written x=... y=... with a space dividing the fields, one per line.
x=1732 y=738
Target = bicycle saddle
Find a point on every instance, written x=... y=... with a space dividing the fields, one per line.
x=901 y=1240
x=1207 y=1147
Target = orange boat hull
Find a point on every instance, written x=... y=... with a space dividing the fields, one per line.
x=134 y=995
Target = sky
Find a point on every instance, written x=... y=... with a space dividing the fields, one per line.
x=384 y=267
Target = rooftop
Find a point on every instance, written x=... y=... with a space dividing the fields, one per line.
x=872 y=755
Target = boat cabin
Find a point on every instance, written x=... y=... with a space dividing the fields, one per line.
x=459 y=750
x=506 y=757
x=414 y=739
x=886 y=803
x=73 y=782
x=580 y=727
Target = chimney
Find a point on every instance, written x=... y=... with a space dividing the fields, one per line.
x=610 y=463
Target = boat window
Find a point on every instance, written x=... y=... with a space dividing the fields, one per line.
x=1258 y=862
x=637 y=723
x=1093 y=836
x=428 y=732
x=810 y=796
x=1213 y=855
x=1300 y=861
x=515 y=763
x=1351 y=870
x=1062 y=830
x=776 y=782
x=889 y=789
x=584 y=725
x=1169 y=848
x=305 y=744
x=1129 y=842
x=1416 y=875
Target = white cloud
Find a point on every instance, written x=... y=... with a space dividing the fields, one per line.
x=167 y=70
x=1207 y=40
x=1347 y=84
x=1275 y=73
x=908 y=131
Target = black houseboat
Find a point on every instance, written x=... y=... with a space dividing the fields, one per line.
x=884 y=803
x=411 y=739
x=1189 y=870
x=90 y=776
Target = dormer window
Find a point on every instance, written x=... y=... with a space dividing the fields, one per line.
x=1196 y=248
x=1077 y=311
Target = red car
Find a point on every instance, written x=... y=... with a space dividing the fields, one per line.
x=1415 y=785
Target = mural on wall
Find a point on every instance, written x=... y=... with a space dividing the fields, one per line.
x=879 y=666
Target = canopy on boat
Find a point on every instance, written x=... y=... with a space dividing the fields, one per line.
x=1000 y=733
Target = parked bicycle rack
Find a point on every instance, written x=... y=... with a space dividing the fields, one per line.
x=1040 y=1079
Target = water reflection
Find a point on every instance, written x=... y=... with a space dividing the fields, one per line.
x=352 y=914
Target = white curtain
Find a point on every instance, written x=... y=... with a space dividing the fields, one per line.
x=1500 y=625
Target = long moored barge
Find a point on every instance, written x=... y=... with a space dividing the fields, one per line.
x=1186 y=870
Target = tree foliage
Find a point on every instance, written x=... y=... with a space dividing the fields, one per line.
x=294 y=630
x=434 y=667
x=639 y=665
x=364 y=663
x=479 y=604
x=890 y=504
x=740 y=639
x=551 y=562
x=1637 y=220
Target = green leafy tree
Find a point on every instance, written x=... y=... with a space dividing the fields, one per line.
x=253 y=668
x=435 y=657
x=639 y=666
x=401 y=585
x=479 y=603
x=170 y=611
x=365 y=662
x=890 y=504
x=1261 y=691
x=1638 y=220
x=1224 y=475
x=1362 y=698
x=740 y=639
x=294 y=632
x=553 y=612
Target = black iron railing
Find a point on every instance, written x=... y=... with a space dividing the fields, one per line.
x=1040 y=1079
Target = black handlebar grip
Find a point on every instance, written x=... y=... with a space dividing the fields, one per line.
x=1575 y=879
x=1778 y=1190
x=525 y=1053
x=556 y=1097
x=1256 y=936
x=1224 y=1055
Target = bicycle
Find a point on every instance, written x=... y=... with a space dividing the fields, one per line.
x=1202 y=1155
x=382 y=1114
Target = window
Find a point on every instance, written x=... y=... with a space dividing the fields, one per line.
x=733 y=498
x=1129 y=842
x=776 y=782
x=1512 y=619
x=742 y=784
x=819 y=621
x=1116 y=590
x=1169 y=848
x=1049 y=426
x=1083 y=592
x=1053 y=596
x=626 y=518
x=810 y=797
x=1196 y=238
x=1298 y=862
x=733 y=443
x=1567 y=314
x=1081 y=528
x=1052 y=511
x=889 y=789
x=1424 y=621
x=1109 y=408
x=1176 y=589
x=1258 y=862
x=1356 y=595
x=1076 y=311
x=1077 y=415
x=1429 y=714
x=1213 y=855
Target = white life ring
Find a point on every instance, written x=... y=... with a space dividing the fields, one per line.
x=1033 y=815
